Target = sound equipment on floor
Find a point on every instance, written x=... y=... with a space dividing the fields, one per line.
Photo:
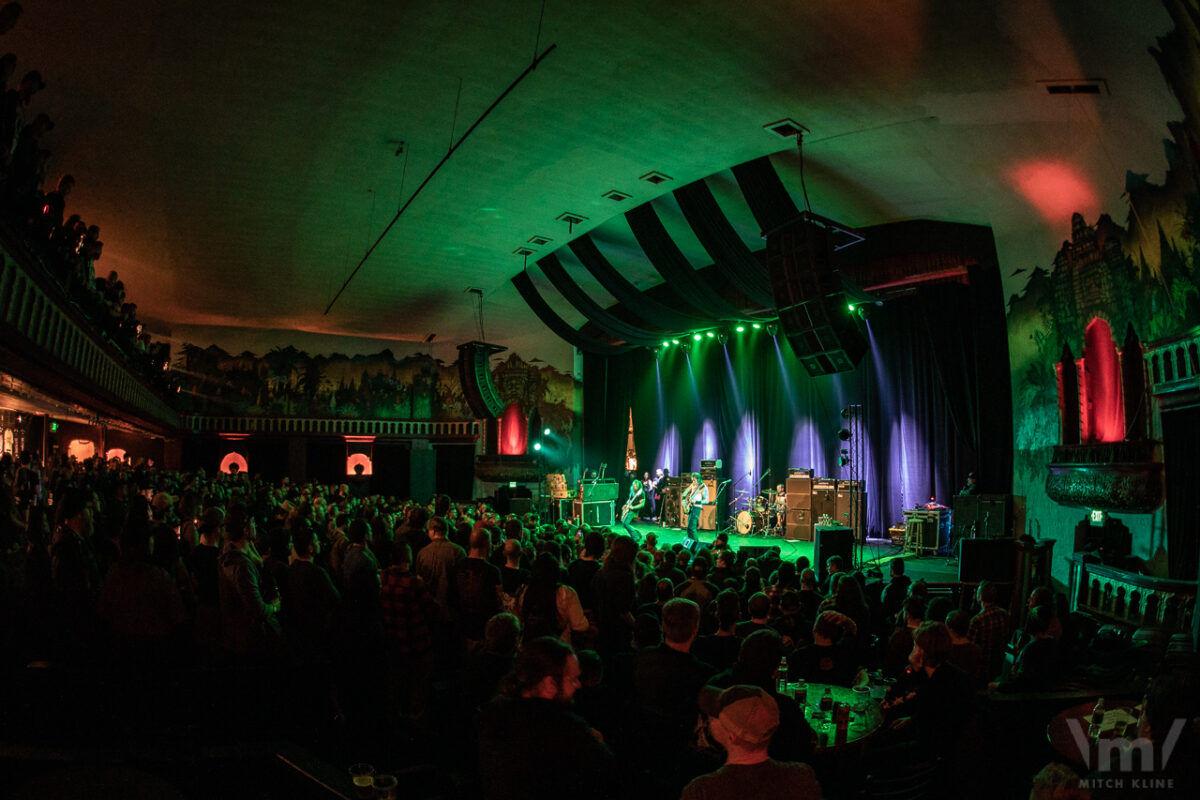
x=987 y=559
x=799 y=504
x=810 y=298
x=672 y=490
x=832 y=541
x=989 y=516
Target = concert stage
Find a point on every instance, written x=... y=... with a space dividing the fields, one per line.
x=875 y=553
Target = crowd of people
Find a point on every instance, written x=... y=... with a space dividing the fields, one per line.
x=573 y=660
x=65 y=247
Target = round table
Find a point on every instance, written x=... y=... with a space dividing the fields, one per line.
x=1069 y=726
x=866 y=715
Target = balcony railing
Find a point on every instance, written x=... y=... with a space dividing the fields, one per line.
x=1131 y=599
x=464 y=430
x=54 y=342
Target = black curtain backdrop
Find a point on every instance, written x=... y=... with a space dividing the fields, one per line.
x=751 y=404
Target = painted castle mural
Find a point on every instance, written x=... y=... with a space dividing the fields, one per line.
x=1143 y=275
x=290 y=382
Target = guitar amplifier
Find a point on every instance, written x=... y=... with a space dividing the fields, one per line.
x=598 y=512
x=602 y=489
x=799 y=505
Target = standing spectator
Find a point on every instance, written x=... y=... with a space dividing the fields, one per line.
x=437 y=560
x=547 y=607
x=249 y=625
x=896 y=590
x=361 y=615
x=668 y=677
x=513 y=577
x=9 y=16
x=202 y=563
x=581 y=571
x=743 y=720
x=613 y=591
x=477 y=582
x=989 y=629
x=12 y=112
x=408 y=616
x=138 y=600
x=312 y=600
x=698 y=588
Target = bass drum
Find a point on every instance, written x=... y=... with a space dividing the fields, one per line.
x=743 y=522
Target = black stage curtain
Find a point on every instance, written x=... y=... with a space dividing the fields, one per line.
x=753 y=405
x=1181 y=442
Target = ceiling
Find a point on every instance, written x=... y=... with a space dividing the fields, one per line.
x=241 y=157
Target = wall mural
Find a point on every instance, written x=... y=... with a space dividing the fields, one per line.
x=290 y=382
x=1145 y=274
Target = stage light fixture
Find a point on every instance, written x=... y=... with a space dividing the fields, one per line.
x=845 y=413
x=723 y=337
x=740 y=328
x=844 y=435
x=843 y=461
x=674 y=341
x=537 y=446
x=756 y=326
x=697 y=337
x=710 y=335
x=546 y=432
x=666 y=343
x=772 y=329
x=851 y=307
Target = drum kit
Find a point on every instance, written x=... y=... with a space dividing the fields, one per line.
x=762 y=516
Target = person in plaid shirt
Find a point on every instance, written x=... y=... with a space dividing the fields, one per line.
x=408 y=614
x=989 y=629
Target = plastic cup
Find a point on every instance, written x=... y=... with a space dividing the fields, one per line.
x=363 y=775
x=385 y=787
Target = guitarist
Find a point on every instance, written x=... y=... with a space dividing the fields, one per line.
x=694 y=498
x=637 y=499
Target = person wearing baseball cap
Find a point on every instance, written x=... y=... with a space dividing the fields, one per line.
x=742 y=719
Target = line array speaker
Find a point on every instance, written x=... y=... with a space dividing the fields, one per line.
x=809 y=299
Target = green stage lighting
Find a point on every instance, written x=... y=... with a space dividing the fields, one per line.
x=674 y=341
x=710 y=334
x=537 y=445
x=740 y=328
x=851 y=307
x=546 y=432
x=666 y=343
x=756 y=326
x=697 y=337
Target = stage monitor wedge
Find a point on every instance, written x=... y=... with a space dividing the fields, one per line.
x=809 y=298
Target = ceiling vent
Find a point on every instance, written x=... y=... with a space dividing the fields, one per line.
x=572 y=219
x=523 y=251
x=1077 y=86
x=655 y=177
x=537 y=240
x=786 y=128
x=613 y=194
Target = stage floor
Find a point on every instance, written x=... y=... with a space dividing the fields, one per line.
x=874 y=553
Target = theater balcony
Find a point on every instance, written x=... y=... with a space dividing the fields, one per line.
x=56 y=363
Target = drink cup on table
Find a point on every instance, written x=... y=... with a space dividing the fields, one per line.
x=385 y=787
x=363 y=775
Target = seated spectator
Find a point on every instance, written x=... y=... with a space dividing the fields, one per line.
x=668 y=677
x=50 y=219
x=758 y=665
x=896 y=589
x=940 y=704
x=989 y=629
x=900 y=644
x=938 y=607
x=721 y=648
x=697 y=587
x=743 y=720
x=810 y=597
x=834 y=565
x=795 y=629
x=1038 y=666
x=759 y=608
x=1058 y=782
x=964 y=653
x=530 y=742
x=831 y=658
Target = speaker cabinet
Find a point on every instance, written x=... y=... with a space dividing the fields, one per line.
x=598 y=512
x=987 y=560
x=799 y=505
x=708 y=512
x=809 y=298
x=828 y=542
x=988 y=515
x=475 y=375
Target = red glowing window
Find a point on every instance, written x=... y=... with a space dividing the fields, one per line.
x=234 y=462
x=358 y=460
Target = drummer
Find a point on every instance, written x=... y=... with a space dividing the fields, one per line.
x=779 y=507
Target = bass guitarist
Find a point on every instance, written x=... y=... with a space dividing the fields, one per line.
x=637 y=499
x=694 y=498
